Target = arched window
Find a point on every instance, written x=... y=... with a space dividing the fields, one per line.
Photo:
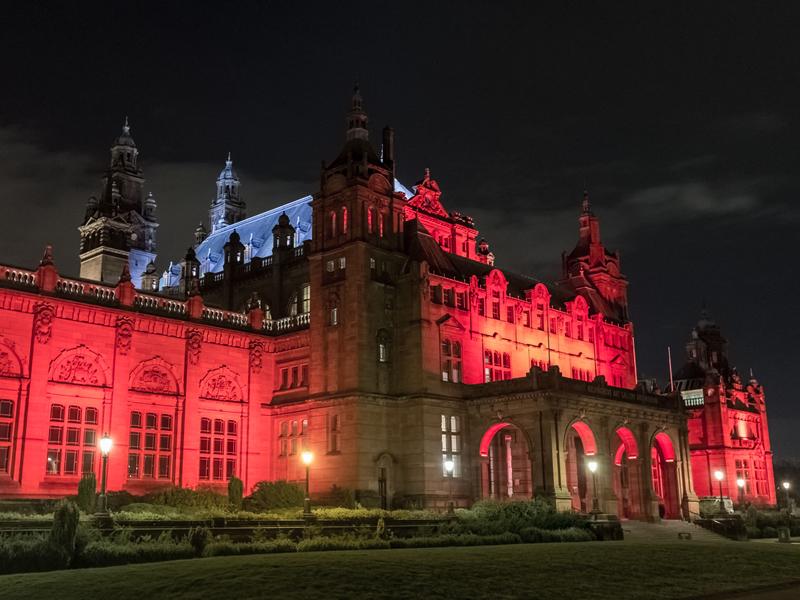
x=332 y=220
x=70 y=449
x=384 y=341
x=344 y=220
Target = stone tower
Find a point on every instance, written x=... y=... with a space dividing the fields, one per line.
x=228 y=207
x=593 y=271
x=120 y=226
x=358 y=221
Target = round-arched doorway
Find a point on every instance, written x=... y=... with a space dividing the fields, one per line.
x=505 y=463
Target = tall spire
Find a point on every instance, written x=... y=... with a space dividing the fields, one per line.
x=586 y=207
x=357 y=118
x=126 y=128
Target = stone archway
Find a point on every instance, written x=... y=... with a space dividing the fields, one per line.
x=579 y=444
x=664 y=476
x=506 y=469
x=627 y=479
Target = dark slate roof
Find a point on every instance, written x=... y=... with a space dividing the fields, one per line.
x=421 y=246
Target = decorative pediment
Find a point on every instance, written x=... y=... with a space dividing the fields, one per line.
x=10 y=364
x=380 y=184
x=221 y=384
x=426 y=196
x=154 y=376
x=618 y=361
x=453 y=323
x=80 y=365
x=497 y=280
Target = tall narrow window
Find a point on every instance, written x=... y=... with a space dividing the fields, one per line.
x=451 y=361
x=218 y=449
x=344 y=220
x=70 y=449
x=334 y=429
x=150 y=446
x=334 y=316
x=305 y=295
x=6 y=431
x=332 y=221
x=496 y=305
x=451 y=444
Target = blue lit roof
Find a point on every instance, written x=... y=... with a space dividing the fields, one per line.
x=256 y=234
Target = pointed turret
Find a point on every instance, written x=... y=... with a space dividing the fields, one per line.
x=357 y=120
x=227 y=207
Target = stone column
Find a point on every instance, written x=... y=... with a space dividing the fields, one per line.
x=605 y=470
x=550 y=475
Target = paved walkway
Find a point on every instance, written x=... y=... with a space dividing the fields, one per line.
x=669 y=531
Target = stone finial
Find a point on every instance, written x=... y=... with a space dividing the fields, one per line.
x=47 y=257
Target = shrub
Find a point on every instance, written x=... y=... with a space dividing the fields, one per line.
x=218 y=548
x=20 y=554
x=339 y=497
x=275 y=494
x=341 y=543
x=769 y=532
x=105 y=553
x=368 y=498
x=491 y=517
x=455 y=540
x=235 y=492
x=534 y=535
x=753 y=532
x=199 y=537
x=179 y=497
x=65 y=529
x=87 y=492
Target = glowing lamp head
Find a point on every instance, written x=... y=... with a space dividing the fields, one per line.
x=105 y=444
x=786 y=485
x=307 y=457
x=592 y=464
x=719 y=475
x=740 y=482
x=449 y=465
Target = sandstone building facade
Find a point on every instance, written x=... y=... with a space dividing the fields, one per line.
x=366 y=323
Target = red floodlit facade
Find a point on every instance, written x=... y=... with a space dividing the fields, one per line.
x=379 y=333
x=727 y=421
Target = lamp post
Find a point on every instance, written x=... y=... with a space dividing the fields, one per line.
x=719 y=476
x=307 y=457
x=449 y=466
x=786 y=485
x=592 y=465
x=740 y=484
x=105 y=449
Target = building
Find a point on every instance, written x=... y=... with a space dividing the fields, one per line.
x=367 y=323
x=727 y=421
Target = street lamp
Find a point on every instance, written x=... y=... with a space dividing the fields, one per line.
x=105 y=449
x=719 y=476
x=307 y=457
x=786 y=485
x=449 y=466
x=740 y=484
x=592 y=465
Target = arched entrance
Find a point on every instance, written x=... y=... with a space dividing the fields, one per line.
x=580 y=443
x=505 y=463
x=626 y=476
x=664 y=476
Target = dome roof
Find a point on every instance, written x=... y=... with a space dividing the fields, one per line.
x=125 y=138
x=227 y=172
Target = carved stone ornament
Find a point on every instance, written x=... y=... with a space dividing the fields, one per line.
x=154 y=376
x=194 y=343
x=9 y=364
x=80 y=366
x=43 y=321
x=124 y=334
x=256 y=356
x=221 y=384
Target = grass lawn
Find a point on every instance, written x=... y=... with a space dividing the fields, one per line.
x=575 y=571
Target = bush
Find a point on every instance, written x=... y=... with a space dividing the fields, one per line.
x=341 y=543
x=227 y=548
x=338 y=497
x=275 y=494
x=106 y=553
x=455 y=540
x=489 y=517
x=235 y=492
x=21 y=554
x=753 y=532
x=87 y=492
x=368 y=498
x=65 y=529
x=179 y=497
x=769 y=532
x=535 y=535
x=199 y=538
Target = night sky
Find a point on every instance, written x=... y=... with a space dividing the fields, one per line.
x=683 y=123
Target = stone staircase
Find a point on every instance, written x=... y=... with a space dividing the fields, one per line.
x=669 y=531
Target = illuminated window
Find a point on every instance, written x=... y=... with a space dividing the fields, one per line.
x=461 y=300
x=510 y=314
x=334 y=430
x=482 y=307
x=342 y=262
x=293 y=434
x=333 y=318
x=330 y=266
x=344 y=220
x=6 y=431
x=496 y=305
x=451 y=361
x=451 y=444
x=496 y=366
x=305 y=298
x=218 y=449
x=332 y=223
x=150 y=447
x=70 y=450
